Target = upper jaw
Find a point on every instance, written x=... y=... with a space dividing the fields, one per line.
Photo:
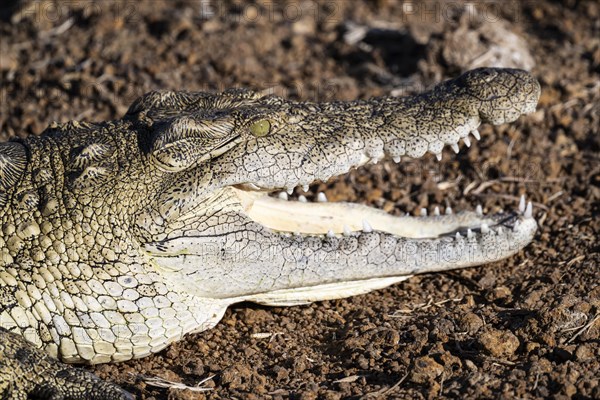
x=320 y=141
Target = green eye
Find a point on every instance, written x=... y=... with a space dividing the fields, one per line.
x=260 y=128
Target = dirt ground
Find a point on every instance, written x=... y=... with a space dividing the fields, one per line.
x=527 y=327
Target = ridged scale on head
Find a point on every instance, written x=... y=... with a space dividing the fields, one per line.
x=162 y=104
x=89 y=164
x=179 y=142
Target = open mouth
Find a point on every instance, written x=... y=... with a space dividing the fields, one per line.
x=277 y=211
x=280 y=251
x=332 y=219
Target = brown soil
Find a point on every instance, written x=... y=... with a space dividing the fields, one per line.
x=527 y=327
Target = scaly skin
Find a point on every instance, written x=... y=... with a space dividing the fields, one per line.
x=118 y=238
x=26 y=370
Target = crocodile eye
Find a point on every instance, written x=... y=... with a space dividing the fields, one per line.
x=260 y=128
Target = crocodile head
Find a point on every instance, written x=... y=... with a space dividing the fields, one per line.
x=223 y=155
x=172 y=202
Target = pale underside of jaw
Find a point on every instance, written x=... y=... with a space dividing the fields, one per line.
x=341 y=218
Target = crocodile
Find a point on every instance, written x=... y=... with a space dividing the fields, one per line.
x=118 y=238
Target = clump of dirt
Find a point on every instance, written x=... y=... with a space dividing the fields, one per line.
x=527 y=327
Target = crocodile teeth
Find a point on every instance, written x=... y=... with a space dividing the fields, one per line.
x=347 y=230
x=290 y=191
x=458 y=236
x=302 y=199
x=499 y=230
x=436 y=211
x=330 y=233
x=439 y=156
x=283 y=195
x=467 y=141
x=528 y=211
x=476 y=134
x=522 y=204
x=396 y=159
x=448 y=211
x=305 y=188
x=321 y=198
x=479 y=210
x=366 y=226
x=485 y=228
x=423 y=212
x=470 y=233
x=455 y=147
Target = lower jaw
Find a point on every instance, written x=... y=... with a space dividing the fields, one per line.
x=296 y=247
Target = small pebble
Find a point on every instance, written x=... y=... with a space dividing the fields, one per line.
x=499 y=343
x=425 y=369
